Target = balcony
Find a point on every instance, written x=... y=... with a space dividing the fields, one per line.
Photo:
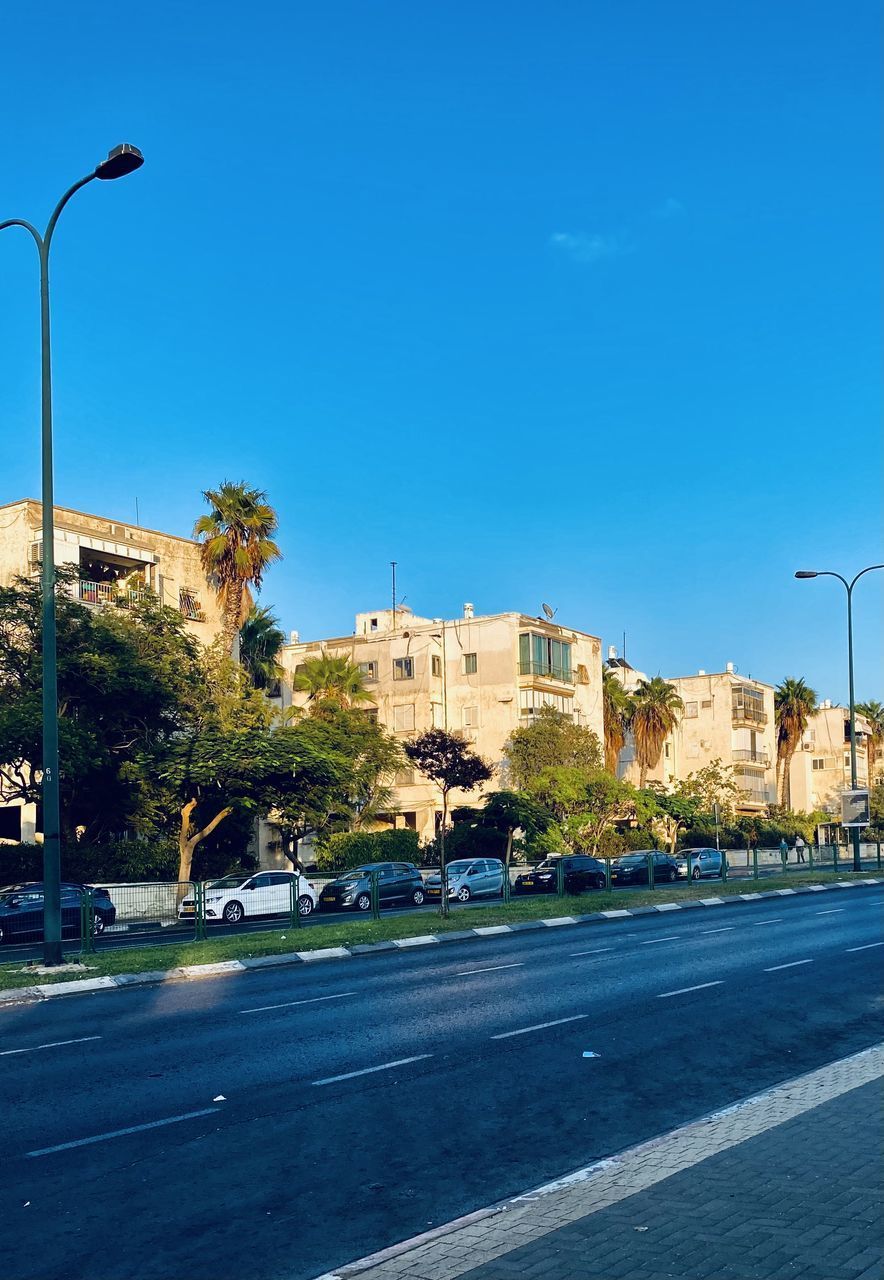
x=110 y=593
x=753 y=797
x=546 y=670
x=748 y=715
x=752 y=757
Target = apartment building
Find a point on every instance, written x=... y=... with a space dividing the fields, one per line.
x=820 y=768
x=726 y=717
x=115 y=562
x=480 y=676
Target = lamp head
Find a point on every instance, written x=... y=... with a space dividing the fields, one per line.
x=806 y=573
x=120 y=161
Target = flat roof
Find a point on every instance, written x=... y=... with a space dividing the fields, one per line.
x=525 y=619
x=92 y=515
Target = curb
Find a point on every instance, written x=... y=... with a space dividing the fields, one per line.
x=221 y=968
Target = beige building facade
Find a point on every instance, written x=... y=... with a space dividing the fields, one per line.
x=726 y=717
x=479 y=676
x=820 y=768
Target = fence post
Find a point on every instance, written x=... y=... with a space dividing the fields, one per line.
x=784 y=858
x=835 y=856
x=878 y=853
x=294 y=895
x=506 y=882
x=810 y=857
x=650 y=859
x=724 y=866
x=87 y=923
x=375 y=897
x=755 y=862
x=199 y=914
x=560 y=878
x=607 y=875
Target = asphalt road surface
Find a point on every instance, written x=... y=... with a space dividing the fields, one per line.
x=279 y=1123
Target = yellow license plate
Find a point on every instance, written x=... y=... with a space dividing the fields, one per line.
x=187 y=911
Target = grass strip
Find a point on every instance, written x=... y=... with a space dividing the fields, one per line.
x=349 y=932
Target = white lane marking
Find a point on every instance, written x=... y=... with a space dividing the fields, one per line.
x=538 y=1026
x=672 y=938
x=595 y=952
x=832 y=911
x=683 y=991
x=121 y=1133
x=725 y=928
x=867 y=946
x=492 y=968
x=773 y=920
x=367 y=1071
x=54 y=1044
x=775 y=968
x=289 y=1004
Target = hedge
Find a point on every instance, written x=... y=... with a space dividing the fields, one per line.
x=346 y=849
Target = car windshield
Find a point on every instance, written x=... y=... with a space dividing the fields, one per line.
x=458 y=868
x=545 y=866
x=361 y=873
x=634 y=857
x=227 y=882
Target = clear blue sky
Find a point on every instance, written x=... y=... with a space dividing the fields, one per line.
x=565 y=301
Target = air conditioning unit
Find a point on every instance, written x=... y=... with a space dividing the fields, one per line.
x=35 y=553
x=807 y=746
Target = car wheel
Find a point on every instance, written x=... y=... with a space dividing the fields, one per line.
x=600 y=882
x=463 y=894
x=305 y=905
x=233 y=912
x=97 y=925
x=695 y=874
x=418 y=897
x=363 y=902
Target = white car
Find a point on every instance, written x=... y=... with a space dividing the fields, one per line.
x=266 y=893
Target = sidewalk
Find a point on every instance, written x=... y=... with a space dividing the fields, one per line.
x=787 y=1184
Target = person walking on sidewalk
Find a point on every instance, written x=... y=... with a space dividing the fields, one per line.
x=799 y=848
x=784 y=851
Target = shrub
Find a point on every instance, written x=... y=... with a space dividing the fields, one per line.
x=613 y=842
x=346 y=849
x=118 y=861
x=464 y=840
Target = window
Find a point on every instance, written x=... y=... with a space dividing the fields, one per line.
x=667 y=752
x=818 y=764
x=436 y=715
x=404 y=778
x=543 y=656
x=531 y=700
x=373 y=625
x=403 y=668
x=369 y=670
x=403 y=718
x=436 y=665
x=706 y=704
x=470 y=664
x=690 y=711
x=189 y=605
x=371 y=713
x=471 y=717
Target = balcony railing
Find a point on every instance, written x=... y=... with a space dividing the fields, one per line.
x=110 y=593
x=753 y=757
x=565 y=674
x=748 y=715
x=748 y=796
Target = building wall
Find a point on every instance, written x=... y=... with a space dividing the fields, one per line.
x=169 y=565
x=485 y=704
x=820 y=768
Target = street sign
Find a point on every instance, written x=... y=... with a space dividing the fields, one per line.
x=855 y=808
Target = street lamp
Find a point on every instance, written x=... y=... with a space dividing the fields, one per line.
x=120 y=161
x=828 y=573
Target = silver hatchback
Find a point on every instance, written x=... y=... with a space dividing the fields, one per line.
x=699 y=863
x=468 y=878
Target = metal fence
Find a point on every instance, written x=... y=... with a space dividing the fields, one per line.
x=97 y=917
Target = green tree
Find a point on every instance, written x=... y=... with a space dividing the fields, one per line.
x=507 y=812
x=794 y=704
x=451 y=765
x=617 y=712
x=331 y=680
x=552 y=741
x=607 y=800
x=874 y=713
x=656 y=708
x=372 y=757
x=236 y=549
x=260 y=641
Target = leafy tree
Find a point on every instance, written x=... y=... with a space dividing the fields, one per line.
x=236 y=548
x=552 y=741
x=372 y=757
x=794 y=704
x=656 y=708
x=607 y=800
x=617 y=712
x=452 y=765
x=874 y=713
x=260 y=640
x=331 y=680
x=505 y=813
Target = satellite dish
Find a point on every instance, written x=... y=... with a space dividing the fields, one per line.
x=549 y=611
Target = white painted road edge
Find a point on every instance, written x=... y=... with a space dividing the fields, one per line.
x=224 y=968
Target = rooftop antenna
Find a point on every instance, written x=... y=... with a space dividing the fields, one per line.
x=624 y=646
x=393 y=567
x=137 y=518
x=549 y=611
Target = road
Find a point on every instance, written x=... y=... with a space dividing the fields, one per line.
x=279 y=1123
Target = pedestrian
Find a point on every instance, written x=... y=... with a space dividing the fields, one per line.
x=799 y=848
x=784 y=851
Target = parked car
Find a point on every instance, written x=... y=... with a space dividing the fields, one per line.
x=468 y=878
x=267 y=893
x=21 y=911
x=699 y=863
x=397 y=882
x=632 y=868
x=579 y=870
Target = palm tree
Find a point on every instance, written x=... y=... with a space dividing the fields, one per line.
x=794 y=704
x=260 y=640
x=616 y=712
x=331 y=678
x=236 y=548
x=655 y=710
x=874 y=713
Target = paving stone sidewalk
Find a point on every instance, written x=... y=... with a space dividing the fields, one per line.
x=786 y=1185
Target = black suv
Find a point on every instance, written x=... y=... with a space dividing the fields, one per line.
x=632 y=868
x=397 y=882
x=21 y=911
x=579 y=870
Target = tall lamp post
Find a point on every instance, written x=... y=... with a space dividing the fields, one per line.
x=848 y=586
x=121 y=161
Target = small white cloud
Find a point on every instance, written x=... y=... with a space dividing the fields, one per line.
x=670 y=208
x=587 y=248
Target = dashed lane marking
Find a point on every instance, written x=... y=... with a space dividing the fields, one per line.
x=367 y=1071
x=290 y=1004
x=54 y=1044
x=122 y=1133
x=683 y=991
x=775 y=968
x=491 y=968
x=539 y=1026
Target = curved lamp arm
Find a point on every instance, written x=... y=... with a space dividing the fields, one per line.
x=19 y=222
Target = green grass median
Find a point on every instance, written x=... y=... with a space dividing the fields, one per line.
x=352 y=931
